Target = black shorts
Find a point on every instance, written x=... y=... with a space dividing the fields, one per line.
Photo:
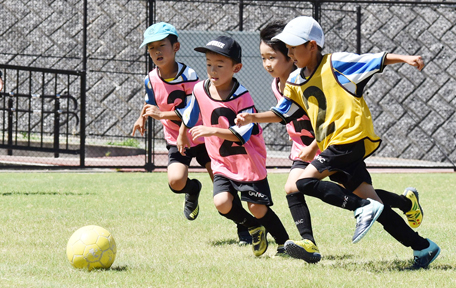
x=348 y=161
x=257 y=192
x=298 y=164
x=199 y=152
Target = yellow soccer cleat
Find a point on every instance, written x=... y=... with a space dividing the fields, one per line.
x=415 y=214
x=303 y=249
x=259 y=240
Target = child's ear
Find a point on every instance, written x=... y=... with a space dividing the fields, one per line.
x=237 y=67
x=176 y=46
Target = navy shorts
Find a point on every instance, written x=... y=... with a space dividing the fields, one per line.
x=257 y=192
x=199 y=152
x=298 y=164
x=348 y=161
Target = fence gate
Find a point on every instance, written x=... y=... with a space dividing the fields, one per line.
x=41 y=117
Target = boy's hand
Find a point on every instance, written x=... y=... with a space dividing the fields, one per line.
x=139 y=125
x=1 y=84
x=152 y=111
x=307 y=153
x=243 y=119
x=182 y=143
x=201 y=131
x=415 y=61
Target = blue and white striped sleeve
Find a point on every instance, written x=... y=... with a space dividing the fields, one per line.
x=287 y=110
x=190 y=113
x=150 y=96
x=352 y=69
x=243 y=133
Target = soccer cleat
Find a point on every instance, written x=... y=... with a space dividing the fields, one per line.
x=365 y=218
x=244 y=238
x=415 y=214
x=259 y=240
x=191 y=207
x=422 y=258
x=304 y=249
x=281 y=251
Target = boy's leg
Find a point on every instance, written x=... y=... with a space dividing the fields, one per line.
x=180 y=183
x=243 y=232
x=305 y=249
x=297 y=204
x=366 y=210
x=408 y=203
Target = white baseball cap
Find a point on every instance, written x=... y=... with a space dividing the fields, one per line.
x=301 y=30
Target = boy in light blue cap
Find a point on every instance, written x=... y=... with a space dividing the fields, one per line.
x=167 y=87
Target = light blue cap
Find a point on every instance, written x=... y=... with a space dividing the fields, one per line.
x=157 y=32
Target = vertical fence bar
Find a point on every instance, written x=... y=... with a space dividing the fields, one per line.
x=358 y=29
x=82 y=127
x=56 y=125
x=241 y=15
x=10 y=125
x=149 y=165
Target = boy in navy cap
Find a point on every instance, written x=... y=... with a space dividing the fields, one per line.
x=238 y=154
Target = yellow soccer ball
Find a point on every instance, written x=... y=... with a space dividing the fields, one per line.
x=91 y=247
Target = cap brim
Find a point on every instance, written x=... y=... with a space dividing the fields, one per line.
x=153 y=38
x=205 y=49
x=289 y=39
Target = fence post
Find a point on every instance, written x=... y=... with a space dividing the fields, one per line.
x=316 y=10
x=10 y=126
x=56 y=125
x=358 y=29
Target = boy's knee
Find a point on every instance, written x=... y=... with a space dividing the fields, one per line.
x=307 y=186
x=177 y=185
x=258 y=210
x=223 y=203
x=290 y=188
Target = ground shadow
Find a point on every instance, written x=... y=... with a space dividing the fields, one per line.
x=13 y=193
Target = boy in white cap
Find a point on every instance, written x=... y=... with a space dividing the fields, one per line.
x=167 y=87
x=329 y=90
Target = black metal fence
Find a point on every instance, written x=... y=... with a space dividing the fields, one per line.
x=94 y=43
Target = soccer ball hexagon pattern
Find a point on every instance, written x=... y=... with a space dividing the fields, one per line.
x=91 y=247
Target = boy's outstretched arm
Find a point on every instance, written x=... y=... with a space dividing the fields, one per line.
x=182 y=139
x=155 y=112
x=139 y=124
x=263 y=117
x=416 y=61
x=204 y=131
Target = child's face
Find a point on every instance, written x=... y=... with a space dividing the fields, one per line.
x=277 y=64
x=220 y=69
x=301 y=55
x=162 y=52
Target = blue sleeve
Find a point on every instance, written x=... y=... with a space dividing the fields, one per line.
x=150 y=96
x=287 y=110
x=190 y=113
x=243 y=133
x=353 y=71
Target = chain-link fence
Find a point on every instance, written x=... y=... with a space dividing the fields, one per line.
x=414 y=112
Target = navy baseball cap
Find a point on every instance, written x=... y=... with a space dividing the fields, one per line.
x=157 y=32
x=225 y=46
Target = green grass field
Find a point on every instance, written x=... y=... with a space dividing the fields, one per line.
x=158 y=247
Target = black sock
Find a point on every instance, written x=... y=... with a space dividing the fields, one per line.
x=274 y=226
x=241 y=229
x=394 y=200
x=396 y=227
x=192 y=186
x=240 y=216
x=301 y=215
x=330 y=193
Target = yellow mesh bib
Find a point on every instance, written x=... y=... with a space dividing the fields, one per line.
x=337 y=116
